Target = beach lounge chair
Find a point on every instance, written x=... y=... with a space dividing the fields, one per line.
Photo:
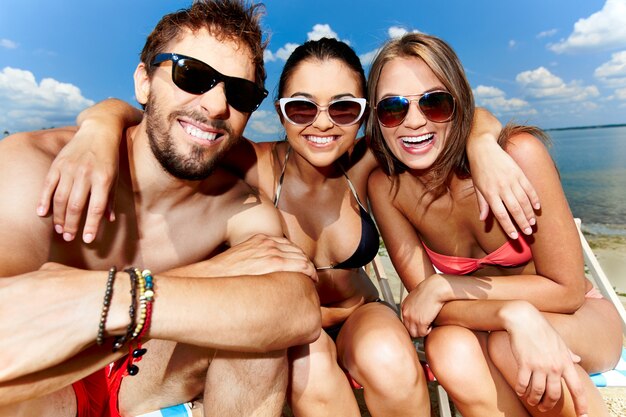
x=612 y=378
x=180 y=410
x=387 y=294
x=599 y=277
x=617 y=376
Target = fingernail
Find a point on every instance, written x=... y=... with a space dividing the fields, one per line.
x=112 y=217
x=68 y=237
x=40 y=211
x=528 y=231
x=514 y=235
x=88 y=237
x=58 y=228
x=537 y=206
x=532 y=221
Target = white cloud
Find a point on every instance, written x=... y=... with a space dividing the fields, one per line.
x=512 y=43
x=547 y=33
x=318 y=31
x=264 y=123
x=281 y=54
x=7 y=43
x=541 y=84
x=613 y=72
x=368 y=57
x=27 y=105
x=269 y=56
x=620 y=94
x=587 y=105
x=284 y=52
x=484 y=91
x=321 y=31
x=602 y=30
x=495 y=100
x=393 y=32
x=397 y=31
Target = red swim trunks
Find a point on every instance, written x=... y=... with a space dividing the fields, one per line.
x=97 y=394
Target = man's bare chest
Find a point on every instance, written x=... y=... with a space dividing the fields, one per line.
x=156 y=242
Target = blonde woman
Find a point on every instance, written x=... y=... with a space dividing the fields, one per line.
x=505 y=319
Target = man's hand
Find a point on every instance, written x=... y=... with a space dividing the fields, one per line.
x=260 y=254
x=46 y=315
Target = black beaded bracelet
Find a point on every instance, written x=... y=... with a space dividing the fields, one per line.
x=108 y=294
x=132 y=311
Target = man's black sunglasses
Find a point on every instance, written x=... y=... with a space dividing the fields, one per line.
x=196 y=77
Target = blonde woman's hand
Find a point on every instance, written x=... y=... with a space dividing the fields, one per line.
x=83 y=175
x=543 y=360
x=421 y=307
x=502 y=187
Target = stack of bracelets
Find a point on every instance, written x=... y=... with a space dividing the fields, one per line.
x=140 y=312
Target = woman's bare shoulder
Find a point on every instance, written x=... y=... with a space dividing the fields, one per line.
x=526 y=145
x=379 y=181
x=362 y=160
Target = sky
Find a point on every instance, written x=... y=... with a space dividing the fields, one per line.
x=557 y=63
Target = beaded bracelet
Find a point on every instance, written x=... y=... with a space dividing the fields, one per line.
x=146 y=298
x=108 y=294
x=145 y=289
x=132 y=311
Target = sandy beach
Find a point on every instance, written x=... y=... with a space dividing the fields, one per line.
x=611 y=253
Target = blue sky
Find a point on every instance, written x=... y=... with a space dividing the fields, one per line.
x=554 y=63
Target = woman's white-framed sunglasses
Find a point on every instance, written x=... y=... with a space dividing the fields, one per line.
x=302 y=111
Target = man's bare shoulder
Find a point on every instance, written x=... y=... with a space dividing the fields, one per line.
x=252 y=161
x=243 y=208
x=225 y=184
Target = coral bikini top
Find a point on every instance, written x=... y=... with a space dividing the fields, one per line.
x=512 y=253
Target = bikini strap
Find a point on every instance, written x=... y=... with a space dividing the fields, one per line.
x=279 y=187
x=351 y=186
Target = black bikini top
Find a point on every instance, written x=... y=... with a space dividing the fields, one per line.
x=368 y=245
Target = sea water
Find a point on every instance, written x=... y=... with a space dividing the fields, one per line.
x=592 y=164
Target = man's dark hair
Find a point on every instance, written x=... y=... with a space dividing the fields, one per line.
x=227 y=20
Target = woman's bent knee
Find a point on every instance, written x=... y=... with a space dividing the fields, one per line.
x=386 y=362
x=452 y=353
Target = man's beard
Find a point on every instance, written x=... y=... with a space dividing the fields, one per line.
x=198 y=164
